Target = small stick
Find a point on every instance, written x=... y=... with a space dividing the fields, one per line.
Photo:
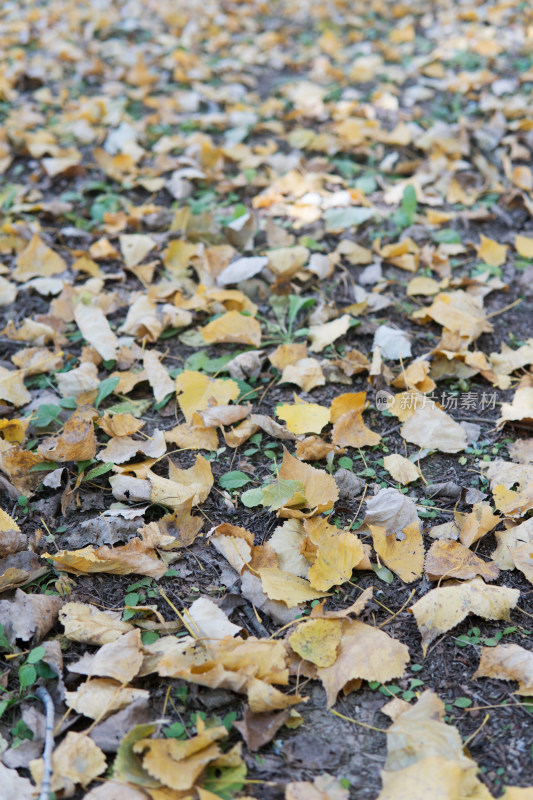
x=47 y=701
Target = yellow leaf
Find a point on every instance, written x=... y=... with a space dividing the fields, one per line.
x=351 y=431
x=95 y=328
x=178 y=764
x=338 y=554
x=37 y=261
x=433 y=777
x=524 y=246
x=306 y=373
x=197 y=391
x=97 y=698
x=158 y=377
x=303 y=417
x=443 y=608
x=491 y=252
x=404 y=557
x=286 y=354
x=77 y=760
x=120 y=659
x=323 y=335
x=287 y=588
x=14 y=430
x=135 y=247
x=12 y=387
x=508 y=662
x=320 y=489
x=476 y=524
x=85 y=623
x=7 y=523
x=450 y=559
x=349 y=401
x=135 y=557
x=233 y=328
x=76 y=443
x=401 y=469
x=193 y=435
x=365 y=653
x=317 y=641
x=264 y=698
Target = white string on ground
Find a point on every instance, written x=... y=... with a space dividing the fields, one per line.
x=47 y=701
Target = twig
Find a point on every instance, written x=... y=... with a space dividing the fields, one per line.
x=473 y=735
x=47 y=701
x=357 y=722
x=399 y=610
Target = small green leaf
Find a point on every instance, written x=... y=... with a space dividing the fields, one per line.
x=27 y=675
x=107 y=387
x=35 y=655
x=252 y=498
x=233 y=480
x=409 y=202
x=447 y=236
x=44 y=466
x=462 y=702
x=225 y=782
x=383 y=573
x=46 y=414
x=339 y=219
x=175 y=731
x=101 y=469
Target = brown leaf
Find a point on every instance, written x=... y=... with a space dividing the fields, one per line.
x=449 y=559
x=508 y=662
x=259 y=729
x=76 y=443
x=29 y=616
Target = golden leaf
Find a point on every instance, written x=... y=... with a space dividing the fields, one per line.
x=38 y=261
x=449 y=559
x=303 y=417
x=197 y=392
x=491 y=252
x=233 y=328
x=401 y=469
x=508 y=662
x=338 y=554
x=351 y=431
x=443 y=608
x=405 y=557
x=286 y=587
x=317 y=641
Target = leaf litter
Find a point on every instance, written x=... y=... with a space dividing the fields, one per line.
x=265 y=285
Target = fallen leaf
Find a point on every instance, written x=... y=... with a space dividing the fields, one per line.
x=77 y=760
x=37 y=261
x=306 y=373
x=259 y=729
x=523 y=245
x=76 y=443
x=320 y=489
x=97 y=698
x=95 y=329
x=120 y=659
x=123 y=448
x=323 y=787
x=392 y=510
x=317 y=641
x=135 y=557
x=208 y=621
x=365 y=653
x=491 y=252
x=433 y=429
x=323 y=335
x=12 y=387
x=303 y=417
x=476 y=524
x=338 y=554
x=449 y=559
x=86 y=623
x=443 y=608
x=401 y=469
x=158 y=377
x=351 y=431
x=135 y=247
x=29 y=616
x=405 y=557
x=233 y=328
x=197 y=392
x=508 y=662
x=286 y=587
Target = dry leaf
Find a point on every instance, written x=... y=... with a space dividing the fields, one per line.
x=77 y=760
x=338 y=554
x=29 y=616
x=303 y=417
x=76 y=443
x=123 y=448
x=443 y=608
x=401 y=469
x=95 y=329
x=306 y=373
x=365 y=653
x=320 y=489
x=197 y=392
x=317 y=641
x=405 y=557
x=508 y=662
x=476 y=524
x=491 y=252
x=135 y=247
x=449 y=559
x=97 y=698
x=286 y=587
x=351 y=431
x=233 y=328
x=86 y=623
x=158 y=377
x=120 y=659
x=37 y=261
x=431 y=428
x=12 y=387
x=392 y=510
x=135 y=557
x=208 y=621
x=323 y=335
x=78 y=381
